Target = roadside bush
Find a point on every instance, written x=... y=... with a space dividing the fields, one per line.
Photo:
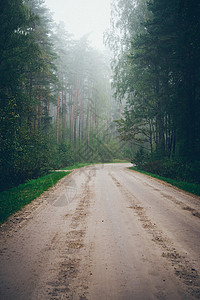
x=27 y=156
x=174 y=169
x=154 y=167
x=140 y=158
x=65 y=155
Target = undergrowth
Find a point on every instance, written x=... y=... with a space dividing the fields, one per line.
x=186 y=186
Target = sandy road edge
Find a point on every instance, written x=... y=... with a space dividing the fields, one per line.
x=20 y=218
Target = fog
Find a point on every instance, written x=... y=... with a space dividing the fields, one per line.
x=82 y=17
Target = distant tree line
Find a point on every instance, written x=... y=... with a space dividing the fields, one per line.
x=55 y=103
x=156 y=69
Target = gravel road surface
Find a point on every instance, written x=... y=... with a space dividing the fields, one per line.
x=103 y=232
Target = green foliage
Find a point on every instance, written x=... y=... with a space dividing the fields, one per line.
x=178 y=170
x=55 y=96
x=25 y=150
x=31 y=155
x=140 y=158
x=14 y=42
x=157 y=73
x=168 y=168
x=65 y=155
x=186 y=186
x=16 y=198
x=26 y=156
x=108 y=151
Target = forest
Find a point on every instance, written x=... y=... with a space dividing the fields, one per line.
x=156 y=71
x=56 y=104
x=61 y=102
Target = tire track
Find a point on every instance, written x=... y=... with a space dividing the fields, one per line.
x=70 y=282
x=183 y=267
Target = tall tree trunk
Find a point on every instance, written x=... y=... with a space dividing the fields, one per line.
x=81 y=117
x=159 y=117
x=88 y=133
x=88 y=123
x=63 y=114
x=40 y=107
x=57 y=117
x=31 y=119
x=35 y=118
x=76 y=111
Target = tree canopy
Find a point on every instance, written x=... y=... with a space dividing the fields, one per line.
x=157 y=72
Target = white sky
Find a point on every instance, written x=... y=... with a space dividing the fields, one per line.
x=82 y=17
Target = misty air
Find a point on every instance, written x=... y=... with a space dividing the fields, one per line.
x=99 y=149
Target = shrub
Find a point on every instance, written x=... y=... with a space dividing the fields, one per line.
x=174 y=169
x=140 y=158
x=65 y=155
x=154 y=167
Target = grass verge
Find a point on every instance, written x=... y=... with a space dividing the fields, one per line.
x=16 y=198
x=186 y=186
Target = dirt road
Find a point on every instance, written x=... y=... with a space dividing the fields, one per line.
x=103 y=232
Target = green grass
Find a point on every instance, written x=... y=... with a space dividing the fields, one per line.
x=186 y=186
x=16 y=198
